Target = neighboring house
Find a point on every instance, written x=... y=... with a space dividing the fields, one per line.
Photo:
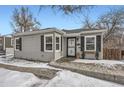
x=51 y=44
x=5 y=42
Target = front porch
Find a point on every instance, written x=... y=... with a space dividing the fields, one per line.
x=80 y=47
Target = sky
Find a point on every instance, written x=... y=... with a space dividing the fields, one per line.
x=49 y=18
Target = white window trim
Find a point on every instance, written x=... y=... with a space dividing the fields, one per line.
x=11 y=41
x=94 y=42
x=47 y=35
x=58 y=43
x=15 y=44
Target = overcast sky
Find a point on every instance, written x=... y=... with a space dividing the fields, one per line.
x=49 y=18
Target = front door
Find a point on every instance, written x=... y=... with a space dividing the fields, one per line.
x=71 y=46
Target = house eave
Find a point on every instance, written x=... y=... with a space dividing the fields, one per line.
x=83 y=33
x=39 y=32
x=93 y=31
x=72 y=35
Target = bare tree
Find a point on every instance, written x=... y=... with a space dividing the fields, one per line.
x=23 y=20
x=87 y=23
x=112 y=21
x=68 y=9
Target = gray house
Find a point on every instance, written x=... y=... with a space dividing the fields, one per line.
x=51 y=44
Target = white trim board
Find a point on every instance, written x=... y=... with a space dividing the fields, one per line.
x=15 y=44
x=47 y=35
x=57 y=35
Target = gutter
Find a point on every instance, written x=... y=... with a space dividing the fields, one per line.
x=39 y=32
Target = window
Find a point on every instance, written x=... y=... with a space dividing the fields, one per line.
x=48 y=42
x=90 y=43
x=18 y=44
x=12 y=42
x=58 y=42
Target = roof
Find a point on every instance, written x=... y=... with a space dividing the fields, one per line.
x=78 y=30
x=75 y=32
x=46 y=30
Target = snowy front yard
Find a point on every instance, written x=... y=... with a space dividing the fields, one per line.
x=67 y=78
x=9 y=78
x=107 y=63
x=23 y=63
x=63 y=78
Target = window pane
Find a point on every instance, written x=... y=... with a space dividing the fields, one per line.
x=57 y=46
x=17 y=42
x=90 y=47
x=17 y=46
x=57 y=39
x=48 y=46
x=90 y=40
x=90 y=43
x=49 y=39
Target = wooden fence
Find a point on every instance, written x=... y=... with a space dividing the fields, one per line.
x=111 y=54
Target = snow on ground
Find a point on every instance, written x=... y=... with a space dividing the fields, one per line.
x=70 y=79
x=9 y=78
x=98 y=61
x=64 y=78
x=25 y=63
x=8 y=55
x=22 y=63
x=107 y=63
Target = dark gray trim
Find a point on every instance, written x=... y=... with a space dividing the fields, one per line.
x=20 y=41
x=61 y=43
x=98 y=43
x=82 y=46
x=42 y=42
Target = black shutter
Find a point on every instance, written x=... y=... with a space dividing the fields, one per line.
x=82 y=43
x=82 y=47
x=61 y=43
x=98 y=43
x=20 y=42
x=42 y=43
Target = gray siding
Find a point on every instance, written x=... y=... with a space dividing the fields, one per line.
x=92 y=55
x=31 y=49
